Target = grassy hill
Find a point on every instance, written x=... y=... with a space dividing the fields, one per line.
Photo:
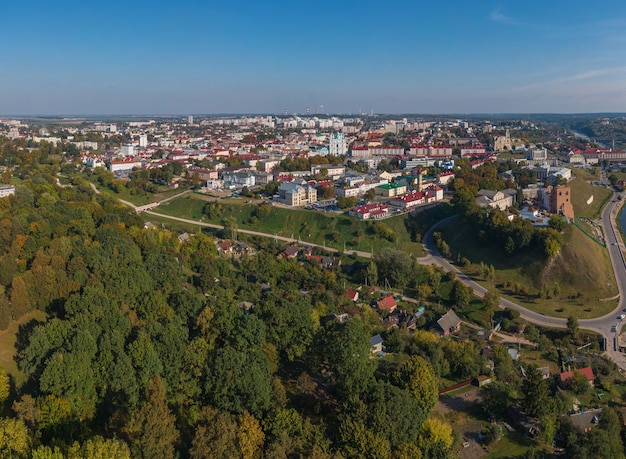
x=576 y=279
x=330 y=229
x=582 y=190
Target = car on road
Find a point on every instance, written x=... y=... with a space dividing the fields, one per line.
x=613 y=328
x=622 y=316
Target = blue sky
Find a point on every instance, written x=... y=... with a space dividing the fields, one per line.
x=191 y=56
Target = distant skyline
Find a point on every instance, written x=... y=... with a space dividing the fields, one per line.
x=205 y=57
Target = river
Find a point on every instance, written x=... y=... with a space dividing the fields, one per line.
x=580 y=135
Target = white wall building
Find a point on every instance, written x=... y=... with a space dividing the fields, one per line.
x=338 y=145
x=128 y=150
x=6 y=190
x=116 y=166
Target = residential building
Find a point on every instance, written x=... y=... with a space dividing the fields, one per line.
x=387 y=303
x=116 y=166
x=446 y=177
x=369 y=211
x=128 y=150
x=587 y=372
x=390 y=190
x=476 y=150
x=332 y=172
x=376 y=342
x=360 y=152
x=495 y=199
x=239 y=179
x=386 y=150
x=203 y=173
x=409 y=200
x=297 y=193
x=6 y=190
x=449 y=323
x=585 y=420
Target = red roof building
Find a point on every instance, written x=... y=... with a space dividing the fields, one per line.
x=352 y=294
x=587 y=372
x=387 y=303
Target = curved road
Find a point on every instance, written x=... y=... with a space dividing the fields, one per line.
x=602 y=325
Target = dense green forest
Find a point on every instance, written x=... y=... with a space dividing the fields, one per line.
x=148 y=345
x=145 y=351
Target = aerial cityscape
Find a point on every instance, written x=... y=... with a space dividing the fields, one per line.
x=331 y=230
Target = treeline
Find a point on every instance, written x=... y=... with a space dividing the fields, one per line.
x=514 y=236
x=150 y=347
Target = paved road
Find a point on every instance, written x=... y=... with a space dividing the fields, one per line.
x=601 y=325
x=257 y=233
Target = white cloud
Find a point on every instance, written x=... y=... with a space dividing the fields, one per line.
x=588 y=75
x=497 y=16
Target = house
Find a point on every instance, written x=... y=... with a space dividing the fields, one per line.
x=399 y=318
x=225 y=247
x=330 y=262
x=245 y=305
x=352 y=294
x=369 y=211
x=240 y=248
x=529 y=425
x=585 y=420
x=291 y=252
x=387 y=303
x=545 y=372
x=495 y=199
x=376 y=342
x=587 y=372
x=449 y=323
x=410 y=200
x=341 y=318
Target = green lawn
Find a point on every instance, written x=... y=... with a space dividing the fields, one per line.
x=581 y=273
x=582 y=191
x=333 y=230
x=512 y=444
x=7 y=345
x=138 y=199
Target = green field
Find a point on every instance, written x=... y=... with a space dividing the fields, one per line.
x=139 y=199
x=330 y=229
x=582 y=190
x=8 y=337
x=581 y=273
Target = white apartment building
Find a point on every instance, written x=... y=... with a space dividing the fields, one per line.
x=332 y=172
x=116 y=166
x=128 y=150
x=6 y=190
